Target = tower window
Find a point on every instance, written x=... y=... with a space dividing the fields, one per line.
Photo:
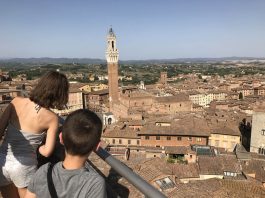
x=112 y=44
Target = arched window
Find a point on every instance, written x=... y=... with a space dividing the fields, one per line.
x=259 y=150
x=112 y=44
x=109 y=121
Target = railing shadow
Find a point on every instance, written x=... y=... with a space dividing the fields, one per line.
x=113 y=179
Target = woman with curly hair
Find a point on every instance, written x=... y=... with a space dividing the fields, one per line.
x=24 y=123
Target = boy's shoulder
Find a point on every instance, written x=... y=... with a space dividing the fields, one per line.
x=92 y=173
x=85 y=181
x=43 y=169
x=88 y=170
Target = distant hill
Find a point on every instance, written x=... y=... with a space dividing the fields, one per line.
x=47 y=60
x=193 y=60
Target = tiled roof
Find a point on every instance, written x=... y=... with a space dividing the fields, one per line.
x=99 y=92
x=177 y=150
x=218 y=189
x=187 y=126
x=217 y=165
x=256 y=167
x=153 y=168
x=172 y=99
x=173 y=131
x=204 y=188
x=120 y=133
x=224 y=130
x=182 y=171
x=136 y=123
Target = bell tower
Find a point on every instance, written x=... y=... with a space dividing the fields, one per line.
x=112 y=56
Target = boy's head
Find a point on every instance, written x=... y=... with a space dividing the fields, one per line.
x=81 y=132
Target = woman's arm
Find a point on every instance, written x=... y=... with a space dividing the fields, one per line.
x=5 y=118
x=30 y=195
x=47 y=148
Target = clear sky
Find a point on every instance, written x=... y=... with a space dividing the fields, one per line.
x=145 y=29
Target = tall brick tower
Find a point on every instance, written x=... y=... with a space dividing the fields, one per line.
x=163 y=78
x=112 y=56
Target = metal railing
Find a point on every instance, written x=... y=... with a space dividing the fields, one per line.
x=147 y=189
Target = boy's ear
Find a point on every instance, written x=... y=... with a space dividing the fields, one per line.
x=97 y=146
x=61 y=138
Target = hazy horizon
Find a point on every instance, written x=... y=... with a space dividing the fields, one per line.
x=152 y=59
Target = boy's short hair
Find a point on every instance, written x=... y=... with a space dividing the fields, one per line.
x=81 y=132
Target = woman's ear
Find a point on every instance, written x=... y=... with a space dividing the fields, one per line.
x=61 y=138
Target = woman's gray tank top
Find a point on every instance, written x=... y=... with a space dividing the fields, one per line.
x=19 y=143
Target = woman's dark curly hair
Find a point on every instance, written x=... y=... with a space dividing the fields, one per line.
x=51 y=91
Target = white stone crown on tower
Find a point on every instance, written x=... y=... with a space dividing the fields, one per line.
x=112 y=53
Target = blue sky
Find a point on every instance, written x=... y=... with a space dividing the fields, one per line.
x=145 y=29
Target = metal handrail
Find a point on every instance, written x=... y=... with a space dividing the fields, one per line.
x=147 y=189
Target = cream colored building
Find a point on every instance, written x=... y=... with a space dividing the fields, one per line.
x=75 y=102
x=204 y=99
x=224 y=138
x=93 y=87
x=124 y=138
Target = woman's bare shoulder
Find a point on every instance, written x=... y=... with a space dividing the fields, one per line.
x=19 y=100
x=49 y=115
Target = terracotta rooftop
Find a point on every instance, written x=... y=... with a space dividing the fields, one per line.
x=182 y=171
x=74 y=87
x=256 y=167
x=136 y=123
x=187 y=126
x=172 y=99
x=217 y=188
x=120 y=133
x=217 y=165
x=153 y=168
x=173 y=131
x=224 y=130
x=177 y=150
x=99 y=92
